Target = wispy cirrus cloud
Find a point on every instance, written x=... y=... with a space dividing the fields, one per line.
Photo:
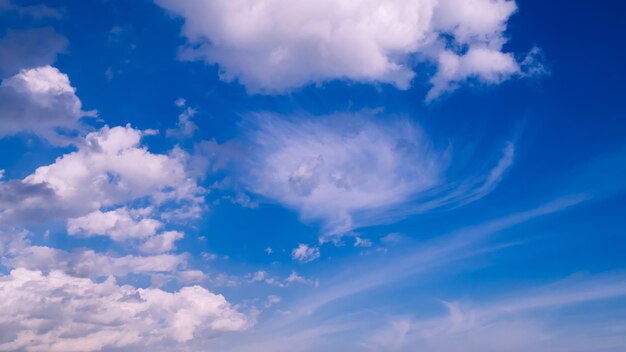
x=526 y=320
x=315 y=320
x=350 y=171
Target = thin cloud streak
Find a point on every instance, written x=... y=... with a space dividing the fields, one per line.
x=434 y=255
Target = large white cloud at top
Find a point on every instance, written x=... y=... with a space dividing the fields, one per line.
x=277 y=45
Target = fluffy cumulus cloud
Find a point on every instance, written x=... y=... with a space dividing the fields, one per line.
x=124 y=225
x=485 y=64
x=57 y=312
x=110 y=168
x=337 y=168
x=17 y=251
x=277 y=45
x=40 y=101
x=118 y=224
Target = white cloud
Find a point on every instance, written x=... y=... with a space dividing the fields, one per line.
x=223 y=279
x=180 y=102
x=265 y=277
x=421 y=259
x=295 y=277
x=258 y=276
x=18 y=253
x=110 y=168
x=115 y=168
x=57 y=312
x=352 y=171
x=272 y=300
x=336 y=168
x=40 y=101
x=304 y=254
x=191 y=277
x=393 y=238
x=161 y=243
x=362 y=242
x=209 y=256
x=185 y=128
x=123 y=225
x=242 y=199
x=277 y=45
x=486 y=65
x=519 y=323
x=118 y=224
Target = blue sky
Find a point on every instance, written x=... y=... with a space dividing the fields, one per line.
x=269 y=175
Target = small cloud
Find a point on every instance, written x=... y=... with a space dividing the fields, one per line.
x=264 y=277
x=180 y=102
x=162 y=243
x=208 y=256
x=295 y=278
x=393 y=238
x=189 y=277
x=362 y=242
x=223 y=279
x=533 y=64
x=109 y=73
x=258 y=276
x=243 y=200
x=185 y=127
x=304 y=254
x=272 y=300
x=267 y=250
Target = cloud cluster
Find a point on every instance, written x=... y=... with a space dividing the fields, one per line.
x=17 y=251
x=41 y=101
x=124 y=225
x=277 y=45
x=57 y=312
x=119 y=224
x=110 y=168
